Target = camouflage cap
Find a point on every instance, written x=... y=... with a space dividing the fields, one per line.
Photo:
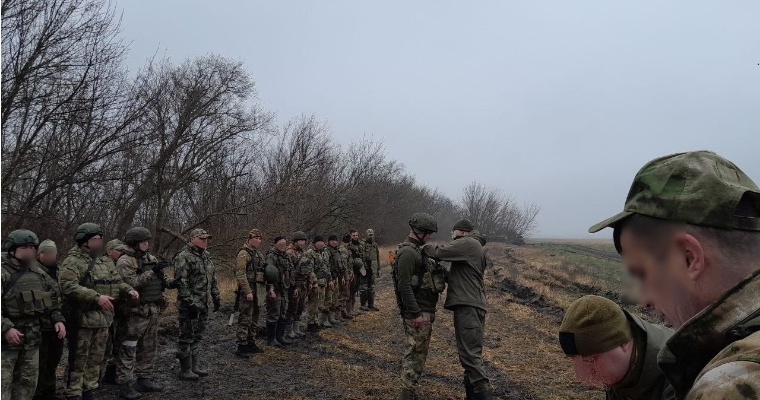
x=370 y=232
x=198 y=232
x=593 y=325
x=698 y=188
x=45 y=245
x=117 y=245
x=254 y=233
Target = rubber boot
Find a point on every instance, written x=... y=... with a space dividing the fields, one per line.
x=290 y=331
x=326 y=320
x=126 y=391
x=346 y=312
x=281 y=324
x=297 y=329
x=145 y=385
x=186 y=373
x=371 y=302
x=363 y=299
x=272 y=334
x=196 y=366
x=333 y=318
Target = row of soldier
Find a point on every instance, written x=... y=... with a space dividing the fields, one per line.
x=107 y=305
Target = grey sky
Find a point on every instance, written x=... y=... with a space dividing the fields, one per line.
x=558 y=103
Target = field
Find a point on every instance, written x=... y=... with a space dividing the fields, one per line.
x=528 y=287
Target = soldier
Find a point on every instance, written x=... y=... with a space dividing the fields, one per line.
x=414 y=278
x=347 y=295
x=91 y=285
x=690 y=235
x=372 y=264
x=249 y=273
x=137 y=352
x=196 y=277
x=115 y=248
x=356 y=248
x=317 y=311
x=278 y=284
x=302 y=282
x=615 y=349
x=30 y=298
x=466 y=297
x=51 y=346
x=337 y=272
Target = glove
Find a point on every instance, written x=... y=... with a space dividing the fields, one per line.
x=158 y=271
x=217 y=304
x=192 y=311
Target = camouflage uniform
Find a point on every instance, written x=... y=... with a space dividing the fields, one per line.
x=82 y=289
x=33 y=300
x=356 y=250
x=334 y=265
x=417 y=296
x=372 y=264
x=249 y=276
x=345 y=304
x=302 y=278
x=196 y=276
x=323 y=278
x=137 y=351
x=51 y=347
x=277 y=308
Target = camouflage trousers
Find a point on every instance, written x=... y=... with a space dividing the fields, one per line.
x=276 y=308
x=191 y=332
x=469 y=325
x=248 y=320
x=90 y=348
x=51 y=351
x=316 y=304
x=416 y=350
x=331 y=296
x=116 y=333
x=19 y=368
x=296 y=304
x=138 y=350
x=344 y=297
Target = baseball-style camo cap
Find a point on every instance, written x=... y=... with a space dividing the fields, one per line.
x=198 y=232
x=698 y=188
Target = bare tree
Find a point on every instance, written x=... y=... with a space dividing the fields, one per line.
x=497 y=214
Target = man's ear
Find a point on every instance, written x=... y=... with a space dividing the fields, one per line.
x=693 y=253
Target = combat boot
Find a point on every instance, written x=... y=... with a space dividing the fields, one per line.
x=408 y=394
x=186 y=373
x=334 y=318
x=346 y=314
x=271 y=335
x=297 y=329
x=290 y=330
x=254 y=348
x=109 y=376
x=88 y=395
x=126 y=391
x=147 y=385
x=326 y=320
x=371 y=302
x=484 y=395
x=280 y=336
x=363 y=300
x=243 y=350
x=196 y=366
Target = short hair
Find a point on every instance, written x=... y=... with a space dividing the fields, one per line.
x=278 y=238
x=352 y=231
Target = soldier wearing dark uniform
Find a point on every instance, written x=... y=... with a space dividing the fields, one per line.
x=347 y=294
x=51 y=345
x=30 y=298
x=249 y=273
x=372 y=265
x=278 y=284
x=418 y=282
x=196 y=277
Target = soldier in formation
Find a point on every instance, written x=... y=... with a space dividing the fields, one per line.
x=51 y=342
x=278 y=288
x=249 y=273
x=372 y=266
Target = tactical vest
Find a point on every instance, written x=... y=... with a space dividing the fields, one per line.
x=26 y=294
x=429 y=274
x=371 y=251
x=303 y=267
x=153 y=289
x=254 y=269
x=321 y=269
x=106 y=285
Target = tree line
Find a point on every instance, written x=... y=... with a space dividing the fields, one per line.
x=183 y=145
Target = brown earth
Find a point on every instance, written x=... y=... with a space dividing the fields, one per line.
x=528 y=287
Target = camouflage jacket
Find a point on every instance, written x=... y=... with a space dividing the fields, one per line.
x=45 y=315
x=644 y=380
x=247 y=263
x=52 y=271
x=345 y=255
x=135 y=273
x=716 y=354
x=336 y=262
x=321 y=267
x=371 y=252
x=280 y=260
x=357 y=252
x=82 y=289
x=197 y=278
x=302 y=267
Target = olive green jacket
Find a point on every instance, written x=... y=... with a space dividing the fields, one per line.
x=83 y=290
x=197 y=276
x=716 y=354
x=413 y=302
x=29 y=325
x=466 y=286
x=644 y=380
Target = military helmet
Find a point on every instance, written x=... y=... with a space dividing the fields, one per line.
x=299 y=235
x=136 y=235
x=463 y=225
x=424 y=223
x=370 y=232
x=21 y=237
x=271 y=274
x=86 y=231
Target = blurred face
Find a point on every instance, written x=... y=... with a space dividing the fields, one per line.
x=604 y=369
x=144 y=246
x=426 y=237
x=255 y=242
x=27 y=254
x=48 y=257
x=333 y=243
x=301 y=244
x=354 y=236
x=114 y=254
x=663 y=276
x=281 y=245
x=95 y=244
x=319 y=245
x=199 y=242
x=457 y=233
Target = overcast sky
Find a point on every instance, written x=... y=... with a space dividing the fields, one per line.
x=557 y=103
